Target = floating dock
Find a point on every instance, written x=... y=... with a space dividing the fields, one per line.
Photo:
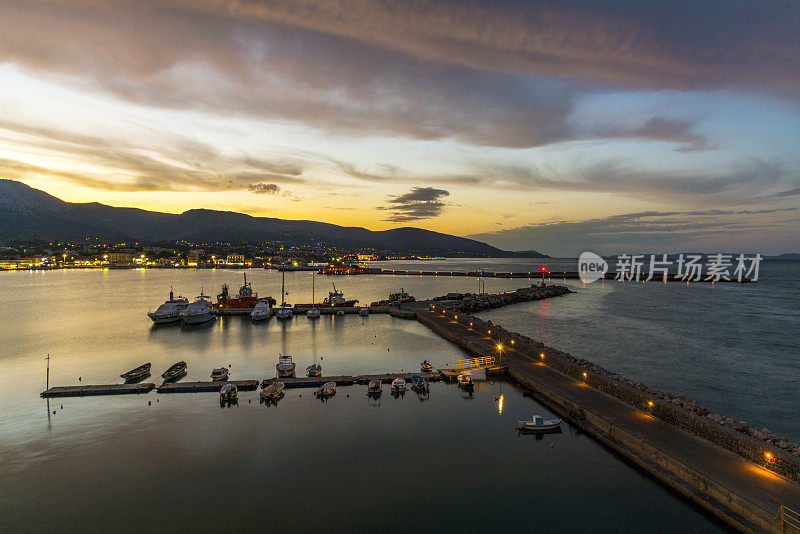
x=103 y=389
x=205 y=386
x=346 y=380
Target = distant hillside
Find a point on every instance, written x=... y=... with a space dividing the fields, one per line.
x=531 y=254
x=27 y=213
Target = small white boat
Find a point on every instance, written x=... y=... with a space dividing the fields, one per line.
x=327 y=389
x=283 y=313
x=219 y=374
x=421 y=385
x=313 y=313
x=465 y=380
x=398 y=385
x=314 y=369
x=374 y=388
x=426 y=366
x=340 y=313
x=273 y=391
x=261 y=311
x=228 y=393
x=285 y=366
x=363 y=312
x=538 y=423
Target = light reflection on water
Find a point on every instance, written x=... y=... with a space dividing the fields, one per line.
x=351 y=463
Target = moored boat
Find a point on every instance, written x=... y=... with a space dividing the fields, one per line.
x=170 y=311
x=199 y=311
x=273 y=392
x=313 y=313
x=285 y=311
x=398 y=385
x=175 y=371
x=314 y=369
x=246 y=298
x=228 y=393
x=262 y=311
x=426 y=366
x=363 y=312
x=420 y=385
x=538 y=423
x=395 y=299
x=465 y=380
x=219 y=374
x=285 y=366
x=335 y=299
x=374 y=388
x=137 y=374
x=327 y=389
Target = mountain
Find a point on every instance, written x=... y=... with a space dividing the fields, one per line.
x=27 y=213
x=531 y=254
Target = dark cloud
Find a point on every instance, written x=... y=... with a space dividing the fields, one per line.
x=419 y=203
x=503 y=76
x=264 y=189
x=657 y=232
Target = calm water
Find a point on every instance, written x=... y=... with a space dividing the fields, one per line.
x=451 y=461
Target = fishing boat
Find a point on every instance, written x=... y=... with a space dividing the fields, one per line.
x=426 y=366
x=170 y=311
x=314 y=369
x=421 y=386
x=176 y=371
x=262 y=311
x=374 y=388
x=285 y=366
x=398 y=385
x=285 y=311
x=228 y=393
x=137 y=374
x=313 y=313
x=199 y=311
x=246 y=298
x=395 y=299
x=273 y=391
x=538 y=423
x=335 y=299
x=219 y=374
x=363 y=312
x=465 y=380
x=327 y=389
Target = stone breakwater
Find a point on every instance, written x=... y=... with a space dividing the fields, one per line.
x=758 y=445
x=468 y=302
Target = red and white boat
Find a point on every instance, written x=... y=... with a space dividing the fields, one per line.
x=394 y=299
x=246 y=298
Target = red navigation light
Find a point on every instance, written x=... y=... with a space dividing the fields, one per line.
x=543 y=269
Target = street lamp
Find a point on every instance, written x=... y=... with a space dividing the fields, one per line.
x=500 y=352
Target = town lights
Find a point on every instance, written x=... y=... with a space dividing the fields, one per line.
x=585 y=375
x=650 y=404
x=542 y=355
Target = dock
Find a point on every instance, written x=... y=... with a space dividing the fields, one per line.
x=102 y=389
x=740 y=480
x=346 y=380
x=205 y=386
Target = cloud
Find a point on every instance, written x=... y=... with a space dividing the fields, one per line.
x=264 y=189
x=419 y=203
x=657 y=232
x=663 y=129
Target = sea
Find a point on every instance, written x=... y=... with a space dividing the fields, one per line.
x=445 y=461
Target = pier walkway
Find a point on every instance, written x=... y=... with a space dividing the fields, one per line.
x=739 y=492
x=102 y=389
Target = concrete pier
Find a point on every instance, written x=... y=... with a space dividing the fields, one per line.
x=346 y=380
x=197 y=387
x=742 y=493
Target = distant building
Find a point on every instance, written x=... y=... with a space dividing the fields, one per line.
x=235 y=259
x=118 y=259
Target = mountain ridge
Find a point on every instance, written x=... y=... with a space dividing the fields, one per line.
x=29 y=213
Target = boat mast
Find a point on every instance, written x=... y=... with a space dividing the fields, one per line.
x=283 y=292
x=313 y=302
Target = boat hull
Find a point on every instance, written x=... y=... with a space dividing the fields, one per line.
x=164 y=319
x=199 y=318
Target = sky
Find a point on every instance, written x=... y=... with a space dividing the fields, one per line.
x=617 y=127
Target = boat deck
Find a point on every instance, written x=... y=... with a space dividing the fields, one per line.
x=101 y=389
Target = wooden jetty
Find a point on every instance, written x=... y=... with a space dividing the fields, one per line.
x=346 y=380
x=205 y=386
x=102 y=389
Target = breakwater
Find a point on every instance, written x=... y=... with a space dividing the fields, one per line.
x=468 y=302
x=717 y=464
